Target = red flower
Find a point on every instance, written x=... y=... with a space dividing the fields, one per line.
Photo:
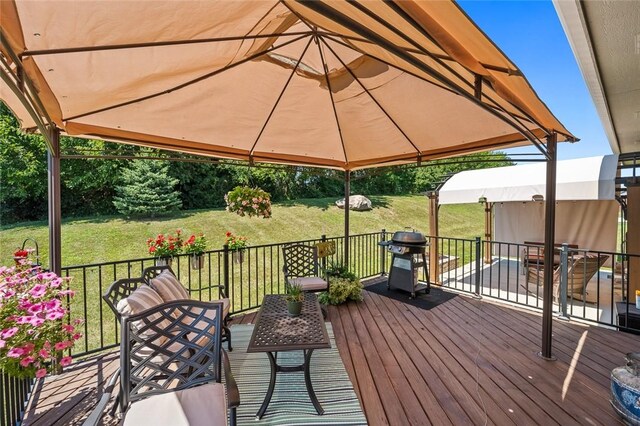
x=228 y=234
x=20 y=253
x=152 y=249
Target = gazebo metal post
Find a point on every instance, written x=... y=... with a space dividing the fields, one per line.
x=347 y=191
x=549 y=237
x=55 y=213
x=434 y=255
x=488 y=231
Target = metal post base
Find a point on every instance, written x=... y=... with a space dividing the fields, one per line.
x=553 y=358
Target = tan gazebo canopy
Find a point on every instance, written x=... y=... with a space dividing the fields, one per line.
x=327 y=83
x=340 y=84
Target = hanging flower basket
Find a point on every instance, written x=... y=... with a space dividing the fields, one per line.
x=247 y=201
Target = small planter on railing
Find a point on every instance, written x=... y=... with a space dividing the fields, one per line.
x=165 y=247
x=164 y=261
x=197 y=261
x=195 y=248
x=236 y=244
x=238 y=256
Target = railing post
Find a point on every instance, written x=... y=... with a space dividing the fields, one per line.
x=564 y=278
x=383 y=254
x=225 y=260
x=478 y=246
x=323 y=238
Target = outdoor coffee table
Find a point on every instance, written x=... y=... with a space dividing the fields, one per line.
x=275 y=331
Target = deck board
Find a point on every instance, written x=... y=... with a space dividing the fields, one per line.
x=465 y=361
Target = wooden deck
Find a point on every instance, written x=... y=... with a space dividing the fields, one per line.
x=463 y=362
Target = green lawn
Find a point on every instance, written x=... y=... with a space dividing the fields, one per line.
x=104 y=239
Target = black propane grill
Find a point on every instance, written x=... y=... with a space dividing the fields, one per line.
x=408 y=250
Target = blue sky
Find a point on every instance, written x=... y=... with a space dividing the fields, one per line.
x=530 y=34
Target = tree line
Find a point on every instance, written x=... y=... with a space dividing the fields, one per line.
x=90 y=186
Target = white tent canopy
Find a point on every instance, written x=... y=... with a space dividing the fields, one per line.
x=586 y=210
x=589 y=178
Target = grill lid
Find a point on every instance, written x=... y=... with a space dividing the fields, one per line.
x=412 y=238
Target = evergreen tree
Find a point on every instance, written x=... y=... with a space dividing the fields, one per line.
x=146 y=189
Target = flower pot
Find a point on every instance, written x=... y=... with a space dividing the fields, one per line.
x=19 y=260
x=238 y=256
x=294 y=307
x=197 y=261
x=164 y=261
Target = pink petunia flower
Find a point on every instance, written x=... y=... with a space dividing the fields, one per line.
x=43 y=353
x=52 y=304
x=41 y=373
x=54 y=315
x=2 y=343
x=15 y=352
x=26 y=361
x=55 y=283
x=77 y=336
x=36 y=321
x=38 y=290
x=68 y=328
x=65 y=361
x=35 y=308
x=8 y=333
x=60 y=346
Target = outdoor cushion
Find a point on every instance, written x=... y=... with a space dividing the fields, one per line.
x=168 y=287
x=143 y=298
x=201 y=405
x=309 y=283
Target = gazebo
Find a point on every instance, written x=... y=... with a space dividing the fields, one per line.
x=337 y=84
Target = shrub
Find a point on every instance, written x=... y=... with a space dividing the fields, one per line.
x=341 y=290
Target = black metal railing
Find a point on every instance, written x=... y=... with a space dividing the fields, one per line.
x=486 y=268
x=590 y=285
x=250 y=274
x=13 y=394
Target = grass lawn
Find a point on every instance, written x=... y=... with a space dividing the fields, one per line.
x=107 y=239
x=112 y=238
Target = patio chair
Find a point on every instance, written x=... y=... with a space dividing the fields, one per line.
x=581 y=269
x=165 y=286
x=164 y=281
x=301 y=268
x=171 y=368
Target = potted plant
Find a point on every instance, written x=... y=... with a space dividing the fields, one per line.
x=33 y=330
x=247 y=201
x=165 y=247
x=294 y=298
x=237 y=244
x=20 y=256
x=195 y=247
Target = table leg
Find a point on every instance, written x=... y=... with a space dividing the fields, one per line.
x=272 y=385
x=307 y=381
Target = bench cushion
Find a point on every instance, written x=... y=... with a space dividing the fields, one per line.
x=309 y=283
x=168 y=287
x=197 y=406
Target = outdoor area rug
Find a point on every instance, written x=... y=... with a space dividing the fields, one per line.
x=290 y=404
x=424 y=301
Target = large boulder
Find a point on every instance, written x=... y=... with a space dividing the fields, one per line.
x=356 y=202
